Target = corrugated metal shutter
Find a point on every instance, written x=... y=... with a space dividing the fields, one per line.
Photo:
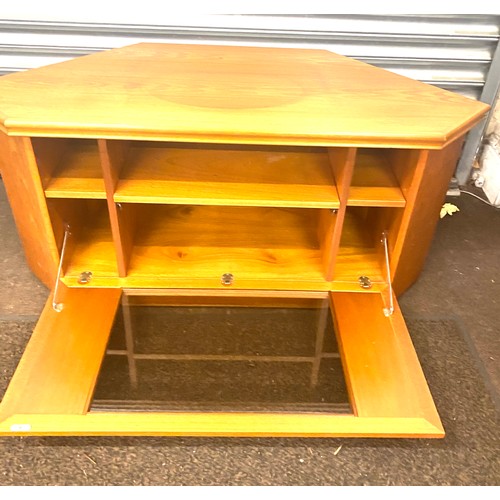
x=454 y=52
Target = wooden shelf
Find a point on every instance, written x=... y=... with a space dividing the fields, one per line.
x=227 y=175
x=374 y=183
x=78 y=174
x=199 y=242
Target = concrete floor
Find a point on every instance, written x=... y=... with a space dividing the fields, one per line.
x=461 y=279
x=21 y=294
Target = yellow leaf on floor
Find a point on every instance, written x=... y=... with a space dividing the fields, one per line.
x=448 y=209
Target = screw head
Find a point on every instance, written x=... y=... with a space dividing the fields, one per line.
x=365 y=282
x=85 y=277
x=227 y=279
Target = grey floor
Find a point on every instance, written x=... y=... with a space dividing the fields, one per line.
x=458 y=290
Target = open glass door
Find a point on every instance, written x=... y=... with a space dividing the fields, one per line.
x=220 y=353
x=219 y=362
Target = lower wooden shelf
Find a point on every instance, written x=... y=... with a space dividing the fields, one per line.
x=51 y=391
x=200 y=242
x=360 y=252
x=91 y=245
x=183 y=246
x=193 y=244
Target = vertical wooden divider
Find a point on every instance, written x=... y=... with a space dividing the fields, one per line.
x=113 y=155
x=342 y=162
x=407 y=166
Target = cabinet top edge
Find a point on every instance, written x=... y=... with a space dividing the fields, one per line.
x=123 y=133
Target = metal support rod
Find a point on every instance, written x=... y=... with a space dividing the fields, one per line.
x=58 y=306
x=388 y=310
x=129 y=342
x=320 y=339
x=222 y=357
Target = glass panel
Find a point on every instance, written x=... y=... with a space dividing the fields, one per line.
x=222 y=354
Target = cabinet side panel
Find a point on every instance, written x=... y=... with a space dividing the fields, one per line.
x=424 y=200
x=27 y=200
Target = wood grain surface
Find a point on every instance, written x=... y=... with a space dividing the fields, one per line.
x=51 y=389
x=383 y=374
x=24 y=188
x=374 y=183
x=228 y=94
x=280 y=166
x=225 y=175
x=78 y=173
x=59 y=367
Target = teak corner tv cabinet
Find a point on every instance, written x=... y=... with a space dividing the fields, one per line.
x=207 y=183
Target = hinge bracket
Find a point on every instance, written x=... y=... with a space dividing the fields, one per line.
x=58 y=306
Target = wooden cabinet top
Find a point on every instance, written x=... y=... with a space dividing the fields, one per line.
x=232 y=94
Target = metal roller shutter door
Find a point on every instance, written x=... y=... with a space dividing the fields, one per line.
x=456 y=52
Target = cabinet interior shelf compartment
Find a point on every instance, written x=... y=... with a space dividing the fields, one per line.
x=374 y=183
x=192 y=243
x=273 y=176
x=254 y=212
x=204 y=174
x=72 y=168
x=360 y=252
x=207 y=241
x=90 y=244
